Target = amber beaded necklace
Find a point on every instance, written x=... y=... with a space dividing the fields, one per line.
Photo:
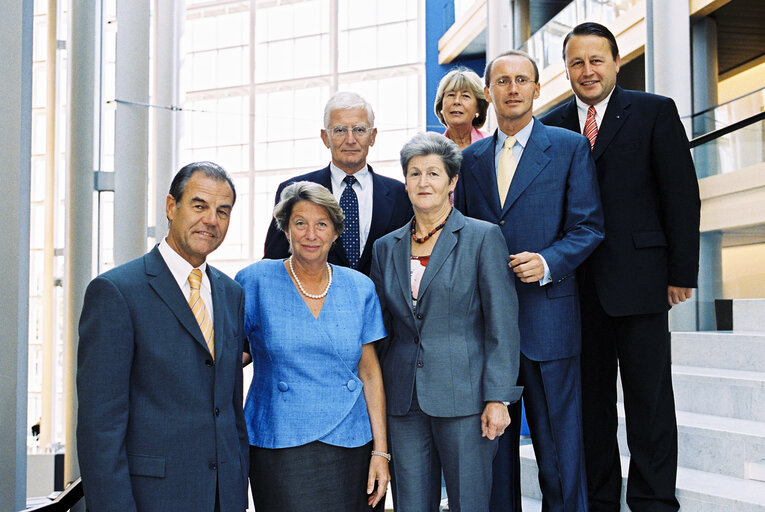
x=432 y=232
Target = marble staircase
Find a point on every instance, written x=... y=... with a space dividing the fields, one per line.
x=719 y=384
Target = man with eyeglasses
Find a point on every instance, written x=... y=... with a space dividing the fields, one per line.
x=539 y=185
x=373 y=205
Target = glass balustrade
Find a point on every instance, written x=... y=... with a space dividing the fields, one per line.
x=736 y=150
x=546 y=45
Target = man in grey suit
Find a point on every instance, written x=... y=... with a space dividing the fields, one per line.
x=159 y=367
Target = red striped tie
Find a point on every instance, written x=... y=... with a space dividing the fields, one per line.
x=591 y=127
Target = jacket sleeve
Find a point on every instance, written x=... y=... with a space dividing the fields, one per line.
x=679 y=195
x=104 y=361
x=499 y=304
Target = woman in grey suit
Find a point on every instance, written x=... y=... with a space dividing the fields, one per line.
x=450 y=361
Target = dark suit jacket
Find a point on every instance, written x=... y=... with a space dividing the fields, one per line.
x=552 y=208
x=160 y=423
x=461 y=343
x=391 y=209
x=650 y=202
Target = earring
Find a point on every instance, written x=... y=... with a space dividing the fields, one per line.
x=476 y=114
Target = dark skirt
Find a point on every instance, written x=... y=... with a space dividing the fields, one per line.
x=312 y=477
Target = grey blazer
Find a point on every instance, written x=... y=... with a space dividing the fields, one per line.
x=461 y=344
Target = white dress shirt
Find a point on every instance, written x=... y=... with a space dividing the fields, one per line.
x=180 y=268
x=363 y=189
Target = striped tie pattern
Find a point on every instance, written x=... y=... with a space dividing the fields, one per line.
x=200 y=311
x=591 y=127
x=506 y=169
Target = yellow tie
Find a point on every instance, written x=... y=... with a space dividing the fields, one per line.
x=200 y=311
x=506 y=169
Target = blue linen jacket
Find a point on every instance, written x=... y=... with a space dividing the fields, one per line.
x=306 y=384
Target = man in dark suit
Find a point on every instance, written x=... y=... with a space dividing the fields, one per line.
x=647 y=263
x=539 y=185
x=159 y=367
x=373 y=205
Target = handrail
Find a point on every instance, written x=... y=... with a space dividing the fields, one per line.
x=720 y=132
x=64 y=501
x=715 y=107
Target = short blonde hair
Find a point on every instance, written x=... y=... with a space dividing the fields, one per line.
x=314 y=193
x=461 y=78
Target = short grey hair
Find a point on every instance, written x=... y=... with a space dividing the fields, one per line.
x=432 y=143
x=347 y=100
x=314 y=193
x=459 y=79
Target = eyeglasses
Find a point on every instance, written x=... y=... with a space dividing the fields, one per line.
x=341 y=132
x=520 y=80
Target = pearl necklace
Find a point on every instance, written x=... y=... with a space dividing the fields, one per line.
x=300 y=285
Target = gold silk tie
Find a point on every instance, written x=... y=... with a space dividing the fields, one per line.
x=506 y=169
x=200 y=311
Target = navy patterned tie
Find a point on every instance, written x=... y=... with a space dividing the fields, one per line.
x=350 y=237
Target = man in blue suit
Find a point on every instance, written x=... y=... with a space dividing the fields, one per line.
x=540 y=187
x=159 y=367
x=381 y=203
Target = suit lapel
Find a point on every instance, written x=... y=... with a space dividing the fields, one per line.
x=616 y=113
x=401 y=261
x=444 y=246
x=533 y=161
x=570 y=118
x=382 y=209
x=164 y=284
x=485 y=174
x=219 y=321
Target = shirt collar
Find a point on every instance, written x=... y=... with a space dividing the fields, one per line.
x=179 y=267
x=522 y=137
x=600 y=108
x=338 y=175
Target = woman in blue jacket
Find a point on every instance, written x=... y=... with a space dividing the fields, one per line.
x=315 y=410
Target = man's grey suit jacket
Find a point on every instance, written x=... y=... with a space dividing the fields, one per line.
x=461 y=343
x=160 y=423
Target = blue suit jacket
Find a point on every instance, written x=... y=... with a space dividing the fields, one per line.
x=391 y=209
x=552 y=208
x=160 y=423
x=306 y=384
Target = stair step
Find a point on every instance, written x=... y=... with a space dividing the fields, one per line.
x=720 y=392
x=723 y=349
x=697 y=491
x=727 y=446
x=749 y=314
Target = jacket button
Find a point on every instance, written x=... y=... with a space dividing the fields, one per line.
x=351 y=385
x=502 y=222
x=210 y=363
x=217 y=411
x=419 y=316
x=416 y=339
x=283 y=386
x=420 y=364
x=213 y=466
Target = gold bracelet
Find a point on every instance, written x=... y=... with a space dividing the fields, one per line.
x=384 y=455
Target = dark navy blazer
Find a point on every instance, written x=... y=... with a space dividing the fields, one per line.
x=552 y=208
x=390 y=210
